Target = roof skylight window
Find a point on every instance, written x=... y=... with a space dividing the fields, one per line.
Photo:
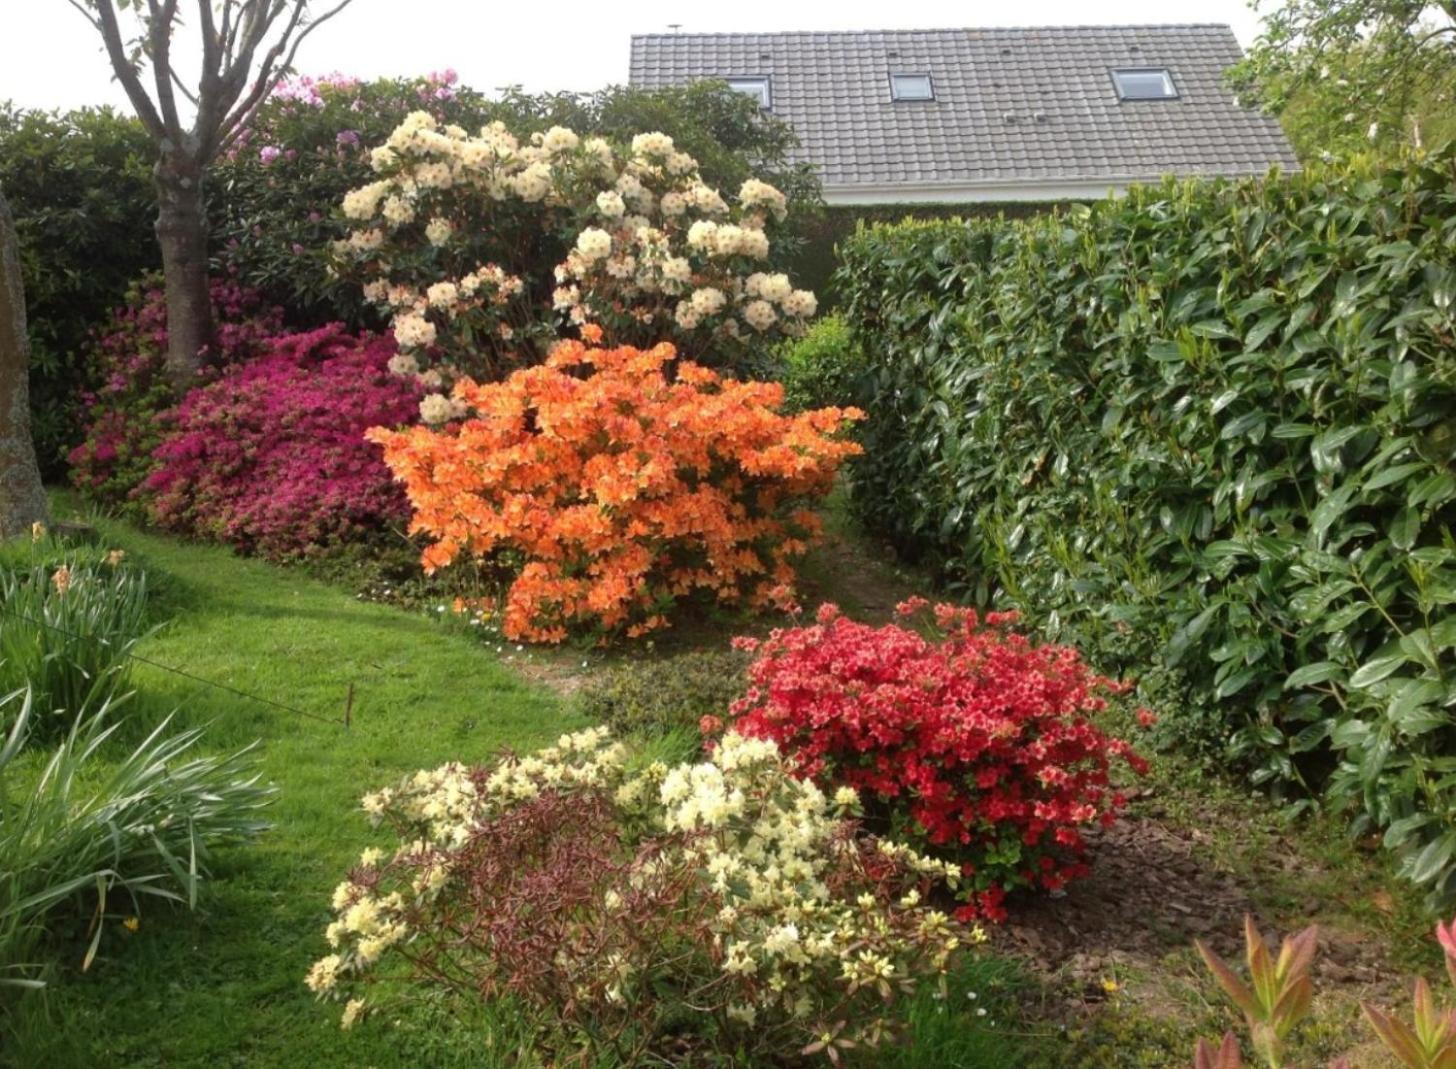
x=1144 y=83
x=755 y=86
x=911 y=87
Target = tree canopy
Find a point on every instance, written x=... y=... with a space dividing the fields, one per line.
x=1355 y=75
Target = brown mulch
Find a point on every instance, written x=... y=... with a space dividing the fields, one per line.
x=1154 y=889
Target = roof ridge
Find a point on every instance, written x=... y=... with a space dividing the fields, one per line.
x=950 y=29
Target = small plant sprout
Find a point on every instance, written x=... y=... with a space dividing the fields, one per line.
x=1280 y=998
x=1280 y=992
x=1225 y=1056
x=1431 y=1042
x=1446 y=936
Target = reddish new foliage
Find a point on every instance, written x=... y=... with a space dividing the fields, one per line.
x=272 y=457
x=975 y=741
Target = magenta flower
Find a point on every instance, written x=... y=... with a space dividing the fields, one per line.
x=271 y=456
x=268 y=153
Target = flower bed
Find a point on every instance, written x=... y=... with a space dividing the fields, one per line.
x=725 y=905
x=272 y=456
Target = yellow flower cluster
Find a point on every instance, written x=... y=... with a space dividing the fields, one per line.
x=765 y=842
x=768 y=851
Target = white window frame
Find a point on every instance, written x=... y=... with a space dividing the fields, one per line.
x=1169 y=85
x=759 y=85
x=899 y=98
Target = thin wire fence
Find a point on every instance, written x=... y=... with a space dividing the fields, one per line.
x=345 y=721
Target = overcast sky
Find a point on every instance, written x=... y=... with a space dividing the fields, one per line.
x=51 y=58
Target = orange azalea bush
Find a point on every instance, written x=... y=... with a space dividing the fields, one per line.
x=614 y=482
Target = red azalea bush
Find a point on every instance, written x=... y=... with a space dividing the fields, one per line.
x=128 y=362
x=974 y=741
x=272 y=458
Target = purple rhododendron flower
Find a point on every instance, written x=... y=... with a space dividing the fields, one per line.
x=268 y=153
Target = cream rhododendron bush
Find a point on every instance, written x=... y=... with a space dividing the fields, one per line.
x=446 y=238
x=615 y=905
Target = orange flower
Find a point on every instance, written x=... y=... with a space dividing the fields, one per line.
x=621 y=487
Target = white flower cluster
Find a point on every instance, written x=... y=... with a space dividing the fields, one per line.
x=765 y=841
x=583 y=759
x=766 y=848
x=653 y=238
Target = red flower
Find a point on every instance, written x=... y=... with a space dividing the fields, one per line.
x=977 y=742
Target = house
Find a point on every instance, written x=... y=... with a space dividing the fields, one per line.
x=985 y=115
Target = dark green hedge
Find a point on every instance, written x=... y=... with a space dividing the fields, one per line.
x=813 y=264
x=80 y=185
x=1208 y=432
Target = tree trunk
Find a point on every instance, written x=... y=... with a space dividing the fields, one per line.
x=22 y=497
x=182 y=233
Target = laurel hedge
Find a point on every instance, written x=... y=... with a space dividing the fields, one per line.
x=1207 y=432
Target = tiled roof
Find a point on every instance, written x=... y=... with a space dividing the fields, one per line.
x=1011 y=105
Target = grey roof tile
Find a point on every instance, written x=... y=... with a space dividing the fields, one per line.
x=990 y=84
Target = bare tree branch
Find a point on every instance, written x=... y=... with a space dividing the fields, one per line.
x=160 y=37
x=234 y=76
x=269 y=75
x=85 y=13
x=187 y=93
x=125 y=72
x=225 y=35
x=210 y=42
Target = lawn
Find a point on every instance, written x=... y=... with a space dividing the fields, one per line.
x=224 y=986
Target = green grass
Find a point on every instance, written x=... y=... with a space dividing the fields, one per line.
x=224 y=986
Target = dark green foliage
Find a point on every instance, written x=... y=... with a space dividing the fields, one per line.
x=80 y=186
x=1207 y=432
x=823 y=368
x=274 y=217
x=67 y=631
x=655 y=697
x=813 y=263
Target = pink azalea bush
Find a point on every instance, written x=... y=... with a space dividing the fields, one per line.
x=271 y=457
x=128 y=361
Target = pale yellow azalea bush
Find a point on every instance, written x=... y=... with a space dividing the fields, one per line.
x=448 y=242
x=586 y=891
